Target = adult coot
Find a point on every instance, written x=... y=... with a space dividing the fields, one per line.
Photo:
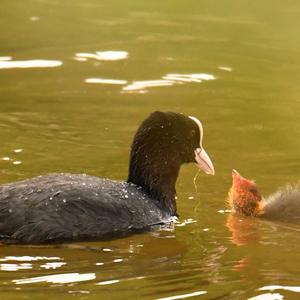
x=244 y=198
x=66 y=207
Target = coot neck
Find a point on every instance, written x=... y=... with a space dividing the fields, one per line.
x=156 y=175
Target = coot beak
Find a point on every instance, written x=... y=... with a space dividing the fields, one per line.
x=203 y=161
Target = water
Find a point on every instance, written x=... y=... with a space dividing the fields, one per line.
x=72 y=109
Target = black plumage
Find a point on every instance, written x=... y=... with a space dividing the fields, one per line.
x=68 y=207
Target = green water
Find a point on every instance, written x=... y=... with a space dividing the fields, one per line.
x=251 y=119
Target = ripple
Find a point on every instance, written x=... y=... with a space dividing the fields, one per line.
x=102 y=55
x=196 y=77
x=167 y=80
x=58 y=278
x=53 y=265
x=5 y=58
x=267 y=296
x=280 y=287
x=24 y=64
x=108 y=282
x=185 y=222
x=15 y=267
x=141 y=85
x=183 y=296
x=34 y=18
x=223 y=68
x=29 y=258
x=105 y=81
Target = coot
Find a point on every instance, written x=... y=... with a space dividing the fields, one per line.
x=245 y=199
x=69 y=207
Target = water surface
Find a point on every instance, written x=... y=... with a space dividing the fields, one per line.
x=77 y=78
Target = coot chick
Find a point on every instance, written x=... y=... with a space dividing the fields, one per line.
x=69 y=207
x=245 y=199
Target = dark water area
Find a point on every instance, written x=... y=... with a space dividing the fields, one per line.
x=78 y=77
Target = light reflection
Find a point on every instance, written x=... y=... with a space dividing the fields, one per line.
x=18 y=150
x=105 y=81
x=185 y=222
x=244 y=230
x=228 y=69
x=196 y=77
x=280 y=287
x=199 y=293
x=5 y=58
x=108 y=282
x=28 y=258
x=267 y=296
x=35 y=63
x=167 y=80
x=141 y=85
x=107 y=250
x=223 y=211
x=53 y=265
x=102 y=55
x=34 y=18
x=15 y=267
x=58 y=278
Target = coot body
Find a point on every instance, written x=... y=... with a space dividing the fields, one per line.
x=68 y=207
x=244 y=198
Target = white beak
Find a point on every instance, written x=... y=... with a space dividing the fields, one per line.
x=204 y=162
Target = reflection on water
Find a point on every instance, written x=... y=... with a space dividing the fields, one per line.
x=184 y=296
x=105 y=81
x=58 y=278
x=244 y=229
x=5 y=58
x=28 y=258
x=280 y=287
x=268 y=296
x=102 y=55
x=167 y=80
x=81 y=117
x=189 y=77
x=141 y=85
x=223 y=68
x=24 y=64
x=53 y=265
x=15 y=267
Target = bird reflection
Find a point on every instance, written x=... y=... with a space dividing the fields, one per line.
x=244 y=230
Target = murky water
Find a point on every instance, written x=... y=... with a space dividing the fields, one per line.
x=77 y=78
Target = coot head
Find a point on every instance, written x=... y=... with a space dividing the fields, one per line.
x=244 y=197
x=163 y=142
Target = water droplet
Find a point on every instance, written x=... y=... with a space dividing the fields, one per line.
x=17 y=162
x=10 y=210
x=5 y=158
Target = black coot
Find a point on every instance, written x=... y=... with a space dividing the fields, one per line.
x=66 y=207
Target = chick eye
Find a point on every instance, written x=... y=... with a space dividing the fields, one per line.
x=253 y=191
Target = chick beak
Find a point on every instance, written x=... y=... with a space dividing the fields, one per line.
x=204 y=162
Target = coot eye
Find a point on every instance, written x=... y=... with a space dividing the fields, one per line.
x=193 y=133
